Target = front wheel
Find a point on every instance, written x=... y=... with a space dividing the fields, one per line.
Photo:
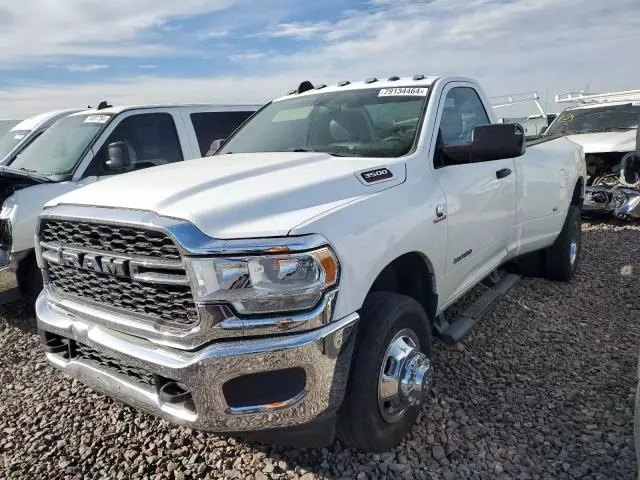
x=391 y=373
x=29 y=279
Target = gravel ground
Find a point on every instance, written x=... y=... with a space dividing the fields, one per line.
x=543 y=388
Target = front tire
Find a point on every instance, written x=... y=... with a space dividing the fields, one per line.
x=29 y=280
x=391 y=373
x=563 y=256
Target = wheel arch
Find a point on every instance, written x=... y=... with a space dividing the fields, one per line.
x=410 y=274
x=577 y=197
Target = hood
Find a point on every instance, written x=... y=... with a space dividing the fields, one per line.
x=244 y=195
x=12 y=173
x=602 y=142
x=12 y=181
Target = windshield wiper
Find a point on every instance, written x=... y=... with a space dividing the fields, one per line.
x=28 y=170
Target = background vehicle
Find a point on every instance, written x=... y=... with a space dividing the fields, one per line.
x=24 y=133
x=534 y=124
x=290 y=284
x=91 y=145
x=606 y=126
x=6 y=125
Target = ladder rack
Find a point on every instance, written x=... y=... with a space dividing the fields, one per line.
x=508 y=100
x=589 y=98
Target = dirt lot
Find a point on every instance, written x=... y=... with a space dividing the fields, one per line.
x=543 y=388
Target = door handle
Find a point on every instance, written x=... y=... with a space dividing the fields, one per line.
x=505 y=172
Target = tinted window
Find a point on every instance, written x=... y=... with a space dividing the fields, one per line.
x=151 y=139
x=10 y=139
x=59 y=149
x=463 y=110
x=210 y=126
x=606 y=118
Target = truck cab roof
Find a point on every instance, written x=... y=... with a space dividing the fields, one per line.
x=196 y=107
x=415 y=81
x=41 y=119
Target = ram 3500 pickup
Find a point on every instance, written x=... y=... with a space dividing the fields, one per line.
x=289 y=284
x=90 y=145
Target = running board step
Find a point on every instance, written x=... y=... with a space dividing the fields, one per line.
x=9 y=296
x=455 y=328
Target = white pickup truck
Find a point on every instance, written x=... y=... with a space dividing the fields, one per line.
x=87 y=146
x=25 y=132
x=288 y=286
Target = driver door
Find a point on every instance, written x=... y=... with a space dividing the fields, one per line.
x=480 y=197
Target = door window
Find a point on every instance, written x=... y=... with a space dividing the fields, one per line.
x=463 y=110
x=211 y=126
x=151 y=139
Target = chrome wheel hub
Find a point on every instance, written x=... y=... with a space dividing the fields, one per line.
x=405 y=376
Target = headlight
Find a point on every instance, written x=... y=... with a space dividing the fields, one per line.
x=265 y=283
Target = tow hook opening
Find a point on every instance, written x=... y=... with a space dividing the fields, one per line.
x=171 y=392
x=57 y=345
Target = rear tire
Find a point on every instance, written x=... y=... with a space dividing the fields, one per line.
x=390 y=323
x=563 y=256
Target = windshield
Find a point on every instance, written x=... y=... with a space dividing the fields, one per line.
x=58 y=149
x=9 y=140
x=361 y=123
x=606 y=118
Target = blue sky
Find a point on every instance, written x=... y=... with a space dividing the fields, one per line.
x=63 y=54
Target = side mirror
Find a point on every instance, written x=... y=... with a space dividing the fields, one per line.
x=215 y=146
x=543 y=130
x=119 y=158
x=488 y=142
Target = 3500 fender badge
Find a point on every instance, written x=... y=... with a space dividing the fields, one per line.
x=376 y=175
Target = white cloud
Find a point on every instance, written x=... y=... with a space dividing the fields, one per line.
x=212 y=34
x=86 y=68
x=40 y=29
x=512 y=46
x=297 y=30
x=247 y=56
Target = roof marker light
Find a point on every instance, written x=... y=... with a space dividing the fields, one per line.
x=371 y=80
x=393 y=79
x=419 y=76
x=343 y=83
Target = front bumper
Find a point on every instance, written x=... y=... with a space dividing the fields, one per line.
x=620 y=202
x=324 y=355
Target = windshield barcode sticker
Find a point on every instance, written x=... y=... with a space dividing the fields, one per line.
x=18 y=137
x=96 y=119
x=403 y=92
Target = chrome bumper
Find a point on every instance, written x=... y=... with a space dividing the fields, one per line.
x=324 y=354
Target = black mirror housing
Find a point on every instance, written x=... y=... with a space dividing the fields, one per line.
x=488 y=142
x=119 y=158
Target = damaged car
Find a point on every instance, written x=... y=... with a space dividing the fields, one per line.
x=606 y=126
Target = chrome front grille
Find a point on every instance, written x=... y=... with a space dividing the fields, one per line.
x=109 y=238
x=142 y=279
x=172 y=304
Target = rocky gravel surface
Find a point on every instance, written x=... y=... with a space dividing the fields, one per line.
x=543 y=388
